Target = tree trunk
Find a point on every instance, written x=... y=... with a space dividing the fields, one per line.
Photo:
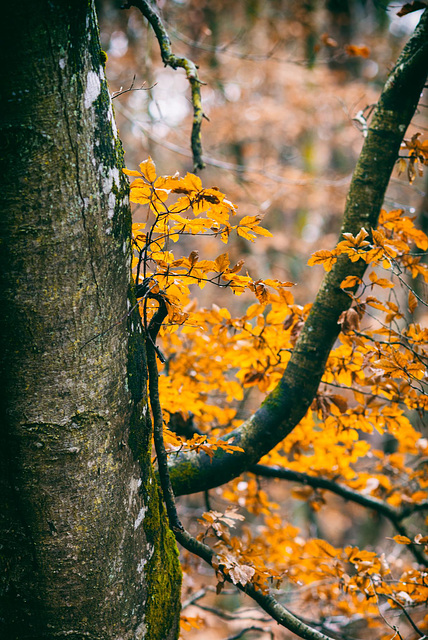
x=86 y=549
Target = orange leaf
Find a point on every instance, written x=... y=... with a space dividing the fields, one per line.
x=350 y=282
x=412 y=302
x=401 y=539
x=222 y=262
x=361 y=50
x=130 y=172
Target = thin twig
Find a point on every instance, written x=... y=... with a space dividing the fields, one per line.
x=121 y=91
x=406 y=613
x=240 y=633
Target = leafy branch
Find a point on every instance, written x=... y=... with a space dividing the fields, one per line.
x=266 y=601
x=286 y=405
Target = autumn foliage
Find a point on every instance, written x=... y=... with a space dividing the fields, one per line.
x=372 y=388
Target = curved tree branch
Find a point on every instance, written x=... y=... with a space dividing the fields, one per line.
x=286 y=405
x=380 y=506
x=394 y=515
x=173 y=61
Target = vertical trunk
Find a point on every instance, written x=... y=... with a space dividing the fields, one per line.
x=85 y=546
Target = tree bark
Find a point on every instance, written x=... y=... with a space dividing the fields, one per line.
x=86 y=550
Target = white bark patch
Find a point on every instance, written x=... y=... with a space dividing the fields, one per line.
x=93 y=88
x=62 y=63
x=140 y=518
x=141 y=565
x=140 y=631
x=133 y=488
x=111 y=205
x=110 y=116
x=112 y=178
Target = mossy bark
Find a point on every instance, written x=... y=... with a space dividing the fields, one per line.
x=86 y=551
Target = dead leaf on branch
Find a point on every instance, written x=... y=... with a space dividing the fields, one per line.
x=349 y=320
x=409 y=7
x=241 y=573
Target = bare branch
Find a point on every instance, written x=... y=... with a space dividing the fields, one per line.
x=173 y=61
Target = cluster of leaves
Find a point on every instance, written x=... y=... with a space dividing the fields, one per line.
x=196 y=211
x=380 y=364
x=343 y=581
x=205 y=212
x=417 y=157
x=236 y=558
x=375 y=378
x=199 y=442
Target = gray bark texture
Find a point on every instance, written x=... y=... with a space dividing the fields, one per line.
x=85 y=549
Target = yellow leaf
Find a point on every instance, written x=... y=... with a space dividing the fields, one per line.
x=222 y=262
x=401 y=165
x=324 y=257
x=166 y=182
x=244 y=233
x=148 y=169
x=261 y=231
x=401 y=539
x=349 y=282
x=249 y=221
x=191 y=182
x=130 y=172
x=141 y=195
